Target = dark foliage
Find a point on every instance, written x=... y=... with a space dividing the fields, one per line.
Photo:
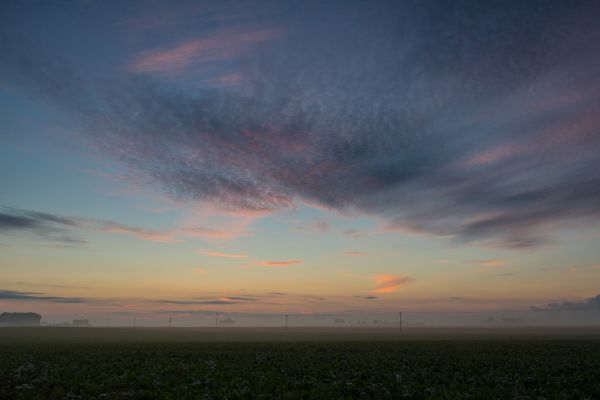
x=443 y=369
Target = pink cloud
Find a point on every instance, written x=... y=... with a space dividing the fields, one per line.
x=201 y=232
x=220 y=254
x=229 y=230
x=222 y=45
x=228 y=79
x=390 y=283
x=553 y=138
x=356 y=253
x=497 y=153
x=446 y=261
x=315 y=205
x=279 y=264
x=204 y=218
x=491 y=263
x=144 y=234
x=170 y=236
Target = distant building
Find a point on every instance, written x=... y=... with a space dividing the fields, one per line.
x=81 y=322
x=20 y=319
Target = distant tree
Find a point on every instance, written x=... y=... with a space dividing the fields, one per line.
x=339 y=321
x=227 y=321
x=81 y=323
x=20 y=319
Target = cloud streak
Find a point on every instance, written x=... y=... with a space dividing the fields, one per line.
x=32 y=296
x=143 y=234
x=217 y=46
x=491 y=263
x=220 y=254
x=67 y=230
x=279 y=263
x=230 y=300
x=355 y=253
x=40 y=225
x=390 y=283
x=592 y=303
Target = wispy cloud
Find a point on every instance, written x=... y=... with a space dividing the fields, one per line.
x=220 y=45
x=68 y=230
x=198 y=302
x=230 y=300
x=390 y=283
x=41 y=225
x=233 y=79
x=32 y=296
x=65 y=229
x=220 y=254
x=279 y=263
x=143 y=234
x=491 y=263
x=50 y=285
x=592 y=303
x=202 y=232
x=357 y=233
x=446 y=261
x=355 y=253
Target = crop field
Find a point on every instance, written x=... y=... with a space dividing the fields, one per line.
x=87 y=363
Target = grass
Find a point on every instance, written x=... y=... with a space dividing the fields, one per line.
x=84 y=363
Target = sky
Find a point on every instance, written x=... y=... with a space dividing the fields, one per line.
x=269 y=157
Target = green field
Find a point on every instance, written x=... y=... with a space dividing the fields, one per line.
x=69 y=363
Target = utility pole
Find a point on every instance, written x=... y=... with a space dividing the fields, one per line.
x=400 y=320
x=286 y=319
x=134 y=322
x=170 y=320
x=217 y=321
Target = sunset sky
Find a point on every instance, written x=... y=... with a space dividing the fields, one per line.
x=185 y=158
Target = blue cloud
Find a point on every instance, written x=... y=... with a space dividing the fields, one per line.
x=30 y=296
